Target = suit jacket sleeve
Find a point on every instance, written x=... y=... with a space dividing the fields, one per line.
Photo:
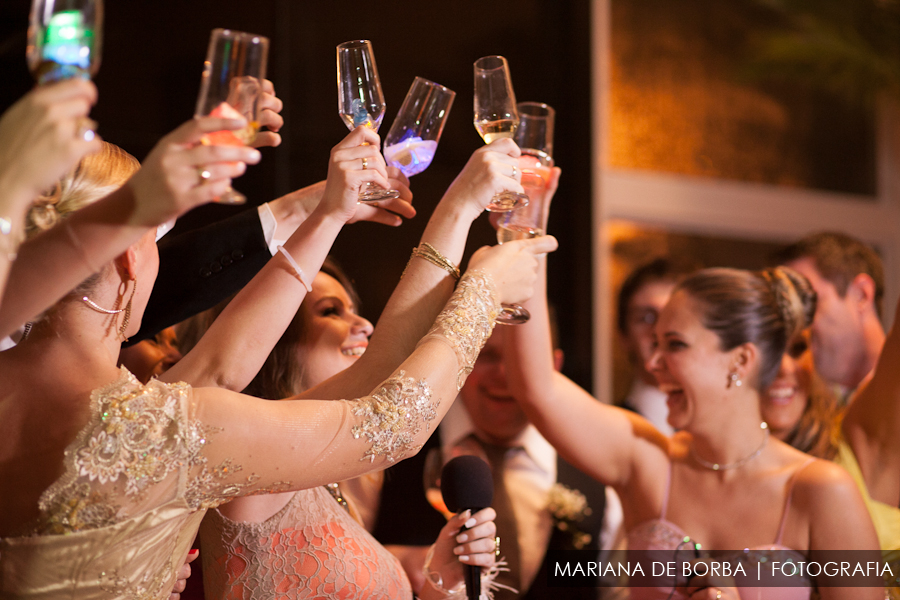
x=200 y=268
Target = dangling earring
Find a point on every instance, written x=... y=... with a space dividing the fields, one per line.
x=735 y=379
x=128 y=313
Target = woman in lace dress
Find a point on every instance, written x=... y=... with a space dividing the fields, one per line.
x=720 y=482
x=126 y=471
x=306 y=544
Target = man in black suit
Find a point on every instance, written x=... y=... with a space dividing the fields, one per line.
x=484 y=421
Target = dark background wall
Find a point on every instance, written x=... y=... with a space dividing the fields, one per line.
x=153 y=54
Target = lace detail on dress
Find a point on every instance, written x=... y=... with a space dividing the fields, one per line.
x=392 y=417
x=311 y=548
x=468 y=320
x=136 y=437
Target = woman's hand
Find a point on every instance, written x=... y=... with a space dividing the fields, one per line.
x=41 y=136
x=270 y=107
x=490 y=170
x=513 y=266
x=390 y=211
x=181 y=173
x=183 y=573
x=454 y=548
x=354 y=162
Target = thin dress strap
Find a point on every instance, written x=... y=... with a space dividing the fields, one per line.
x=668 y=488
x=787 y=502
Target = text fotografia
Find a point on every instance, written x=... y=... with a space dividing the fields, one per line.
x=743 y=568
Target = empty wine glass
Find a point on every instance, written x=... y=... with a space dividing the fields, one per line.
x=64 y=39
x=535 y=138
x=360 y=100
x=230 y=88
x=412 y=141
x=496 y=116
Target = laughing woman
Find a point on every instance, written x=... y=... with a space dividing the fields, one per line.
x=721 y=482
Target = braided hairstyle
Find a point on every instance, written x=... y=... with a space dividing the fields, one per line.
x=766 y=308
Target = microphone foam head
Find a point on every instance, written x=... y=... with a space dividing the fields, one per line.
x=466 y=482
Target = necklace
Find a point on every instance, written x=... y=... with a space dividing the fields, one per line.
x=335 y=490
x=738 y=463
x=99 y=308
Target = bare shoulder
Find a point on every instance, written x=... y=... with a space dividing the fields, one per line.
x=823 y=486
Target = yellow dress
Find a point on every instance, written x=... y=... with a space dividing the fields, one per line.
x=885 y=517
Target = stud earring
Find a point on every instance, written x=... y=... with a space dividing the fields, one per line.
x=735 y=379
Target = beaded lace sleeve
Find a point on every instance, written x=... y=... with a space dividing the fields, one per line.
x=468 y=320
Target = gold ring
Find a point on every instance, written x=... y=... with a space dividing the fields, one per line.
x=204 y=175
x=365 y=163
x=86 y=129
x=718 y=594
x=497 y=547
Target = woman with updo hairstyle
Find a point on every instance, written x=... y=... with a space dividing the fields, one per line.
x=722 y=481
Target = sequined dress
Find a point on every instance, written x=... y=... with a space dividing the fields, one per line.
x=311 y=548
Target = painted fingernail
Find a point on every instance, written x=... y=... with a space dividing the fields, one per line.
x=462 y=538
x=471 y=523
x=464 y=558
x=193 y=551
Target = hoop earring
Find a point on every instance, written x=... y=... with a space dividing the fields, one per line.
x=127 y=318
x=733 y=378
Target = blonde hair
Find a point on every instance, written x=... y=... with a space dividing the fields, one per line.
x=94 y=177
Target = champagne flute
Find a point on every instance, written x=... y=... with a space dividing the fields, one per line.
x=496 y=116
x=535 y=138
x=412 y=141
x=360 y=101
x=230 y=88
x=64 y=39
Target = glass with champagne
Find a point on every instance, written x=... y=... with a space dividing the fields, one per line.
x=230 y=88
x=535 y=138
x=496 y=117
x=360 y=100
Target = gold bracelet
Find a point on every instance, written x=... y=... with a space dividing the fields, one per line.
x=432 y=255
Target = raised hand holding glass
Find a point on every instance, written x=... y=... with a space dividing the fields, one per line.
x=496 y=116
x=360 y=100
x=230 y=88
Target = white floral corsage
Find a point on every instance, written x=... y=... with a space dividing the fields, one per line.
x=569 y=507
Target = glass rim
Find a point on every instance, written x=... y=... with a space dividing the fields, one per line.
x=354 y=45
x=503 y=63
x=549 y=111
x=234 y=33
x=434 y=84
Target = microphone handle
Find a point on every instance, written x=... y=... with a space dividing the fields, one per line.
x=472 y=575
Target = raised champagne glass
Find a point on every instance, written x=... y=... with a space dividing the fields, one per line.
x=230 y=88
x=360 y=100
x=64 y=39
x=496 y=116
x=413 y=138
x=535 y=138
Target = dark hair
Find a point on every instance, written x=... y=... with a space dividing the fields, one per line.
x=660 y=269
x=281 y=371
x=765 y=308
x=839 y=258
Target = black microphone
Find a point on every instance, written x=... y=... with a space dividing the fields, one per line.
x=466 y=484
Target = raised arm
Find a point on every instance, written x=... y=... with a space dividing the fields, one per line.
x=424 y=288
x=581 y=429
x=873 y=420
x=305 y=443
x=52 y=263
x=231 y=353
x=39 y=142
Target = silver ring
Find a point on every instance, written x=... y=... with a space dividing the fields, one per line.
x=515 y=170
x=204 y=175
x=718 y=594
x=365 y=163
x=497 y=547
